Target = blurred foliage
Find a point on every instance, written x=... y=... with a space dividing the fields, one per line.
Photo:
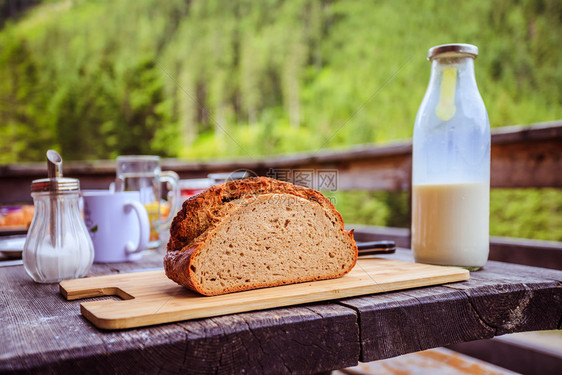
x=214 y=78
x=200 y=79
x=526 y=213
x=381 y=208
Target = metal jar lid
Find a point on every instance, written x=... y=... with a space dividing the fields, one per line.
x=57 y=184
x=452 y=48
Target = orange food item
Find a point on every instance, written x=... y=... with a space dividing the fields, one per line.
x=20 y=217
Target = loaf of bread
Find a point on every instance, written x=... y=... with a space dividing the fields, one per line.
x=257 y=233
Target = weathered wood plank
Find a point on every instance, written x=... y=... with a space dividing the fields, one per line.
x=403 y=322
x=499 y=299
x=516 y=355
x=535 y=253
x=515 y=306
x=527 y=164
x=428 y=362
x=298 y=340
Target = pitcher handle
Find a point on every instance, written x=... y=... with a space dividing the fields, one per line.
x=173 y=179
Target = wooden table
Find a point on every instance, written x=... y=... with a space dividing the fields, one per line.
x=42 y=332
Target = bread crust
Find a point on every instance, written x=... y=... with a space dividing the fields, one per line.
x=201 y=214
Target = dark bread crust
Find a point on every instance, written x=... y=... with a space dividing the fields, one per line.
x=201 y=214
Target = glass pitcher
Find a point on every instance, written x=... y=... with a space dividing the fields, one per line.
x=143 y=173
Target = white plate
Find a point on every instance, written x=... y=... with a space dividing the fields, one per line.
x=12 y=246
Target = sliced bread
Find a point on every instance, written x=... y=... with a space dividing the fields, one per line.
x=257 y=233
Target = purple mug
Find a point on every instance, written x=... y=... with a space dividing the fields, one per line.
x=118 y=224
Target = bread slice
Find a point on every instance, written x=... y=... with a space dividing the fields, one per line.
x=257 y=233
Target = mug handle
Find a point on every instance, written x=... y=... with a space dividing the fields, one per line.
x=144 y=227
x=173 y=179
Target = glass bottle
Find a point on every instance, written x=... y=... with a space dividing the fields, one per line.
x=58 y=245
x=451 y=164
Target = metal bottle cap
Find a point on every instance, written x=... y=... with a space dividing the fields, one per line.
x=452 y=48
x=55 y=182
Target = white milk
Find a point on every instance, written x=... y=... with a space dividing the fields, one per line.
x=450 y=224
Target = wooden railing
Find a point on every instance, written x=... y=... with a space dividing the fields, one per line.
x=522 y=157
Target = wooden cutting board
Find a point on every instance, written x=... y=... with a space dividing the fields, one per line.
x=151 y=298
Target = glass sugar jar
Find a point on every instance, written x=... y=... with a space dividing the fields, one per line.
x=58 y=245
x=451 y=164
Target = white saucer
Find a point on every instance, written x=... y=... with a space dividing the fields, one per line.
x=12 y=246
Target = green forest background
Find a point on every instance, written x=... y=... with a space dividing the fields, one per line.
x=222 y=79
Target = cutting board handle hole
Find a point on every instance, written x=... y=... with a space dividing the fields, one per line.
x=115 y=292
x=104 y=298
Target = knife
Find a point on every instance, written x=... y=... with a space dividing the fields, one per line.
x=376 y=247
